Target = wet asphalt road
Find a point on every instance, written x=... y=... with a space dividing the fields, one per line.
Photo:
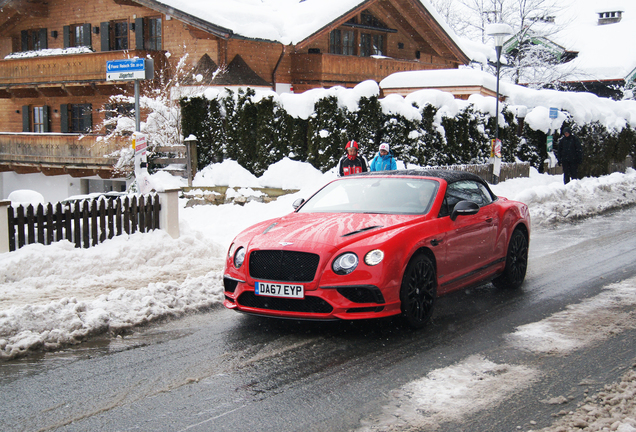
x=222 y=371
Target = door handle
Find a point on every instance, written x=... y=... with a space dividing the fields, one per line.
x=435 y=242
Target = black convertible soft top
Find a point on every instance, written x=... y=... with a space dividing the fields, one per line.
x=451 y=176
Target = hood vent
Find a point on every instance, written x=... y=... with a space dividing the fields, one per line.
x=362 y=230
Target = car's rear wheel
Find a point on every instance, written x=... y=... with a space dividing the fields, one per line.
x=516 y=262
x=419 y=291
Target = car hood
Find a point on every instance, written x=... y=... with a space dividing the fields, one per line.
x=334 y=229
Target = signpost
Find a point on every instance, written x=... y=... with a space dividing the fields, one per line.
x=134 y=69
x=554 y=114
x=495 y=157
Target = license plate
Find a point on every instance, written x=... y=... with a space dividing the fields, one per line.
x=279 y=290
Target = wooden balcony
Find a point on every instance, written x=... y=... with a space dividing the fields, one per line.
x=62 y=75
x=56 y=154
x=332 y=69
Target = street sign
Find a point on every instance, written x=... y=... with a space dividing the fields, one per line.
x=126 y=69
x=554 y=113
x=549 y=143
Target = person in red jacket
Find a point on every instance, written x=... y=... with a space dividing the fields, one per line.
x=352 y=162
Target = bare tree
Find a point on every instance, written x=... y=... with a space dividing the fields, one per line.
x=529 y=55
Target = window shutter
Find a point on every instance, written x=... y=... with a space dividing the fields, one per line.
x=64 y=118
x=43 y=38
x=67 y=36
x=86 y=35
x=139 y=33
x=26 y=124
x=45 y=113
x=24 y=40
x=104 y=31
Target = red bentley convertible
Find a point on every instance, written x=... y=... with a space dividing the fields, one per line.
x=379 y=244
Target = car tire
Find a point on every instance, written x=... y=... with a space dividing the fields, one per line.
x=516 y=263
x=418 y=291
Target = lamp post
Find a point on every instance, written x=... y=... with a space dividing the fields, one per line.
x=499 y=33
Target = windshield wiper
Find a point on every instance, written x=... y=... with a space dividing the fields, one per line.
x=362 y=230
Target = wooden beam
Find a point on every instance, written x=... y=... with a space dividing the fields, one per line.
x=409 y=27
x=52 y=91
x=24 y=92
x=419 y=23
x=79 y=90
x=126 y=3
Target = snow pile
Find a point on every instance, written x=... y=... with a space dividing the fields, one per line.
x=582 y=324
x=69 y=321
x=25 y=197
x=451 y=394
x=613 y=409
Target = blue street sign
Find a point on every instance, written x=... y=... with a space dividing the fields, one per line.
x=554 y=113
x=126 y=69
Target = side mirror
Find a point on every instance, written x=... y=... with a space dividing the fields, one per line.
x=298 y=203
x=464 y=208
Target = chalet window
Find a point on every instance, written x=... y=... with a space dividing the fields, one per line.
x=114 y=35
x=77 y=35
x=148 y=33
x=35 y=119
x=114 y=111
x=40 y=120
x=341 y=42
x=371 y=44
x=33 y=40
x=76 y=118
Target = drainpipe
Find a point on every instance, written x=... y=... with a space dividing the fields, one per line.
x=280 y=59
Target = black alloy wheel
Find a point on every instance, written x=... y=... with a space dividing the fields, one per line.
x=419 y=291
x=516 y=263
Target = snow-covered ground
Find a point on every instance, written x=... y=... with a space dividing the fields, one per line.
x=55 y=295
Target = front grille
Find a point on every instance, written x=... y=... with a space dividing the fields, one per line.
x=283 y=266
x=362 y=294
x=308 y=304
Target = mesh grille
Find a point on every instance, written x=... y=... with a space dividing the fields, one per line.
x=283 y=266
x=370 y=294
x=308 y=304
x=229 y=284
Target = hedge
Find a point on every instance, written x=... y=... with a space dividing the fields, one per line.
x=257 y=132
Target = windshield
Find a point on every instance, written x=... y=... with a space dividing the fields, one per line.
x=393 y=195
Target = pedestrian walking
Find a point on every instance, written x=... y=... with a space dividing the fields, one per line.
x=569 y=155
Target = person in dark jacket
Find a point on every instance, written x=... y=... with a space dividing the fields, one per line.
x=384 y=160
x=351 y=163
x=569 y=154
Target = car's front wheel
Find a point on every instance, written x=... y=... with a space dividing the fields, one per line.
x=419 y=291
x=516 y=262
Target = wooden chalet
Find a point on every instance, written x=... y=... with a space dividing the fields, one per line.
x=53 y=87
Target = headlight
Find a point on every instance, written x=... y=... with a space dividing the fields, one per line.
x=230 y=251
x=374 y=257
x=239 y=257
x=345 y=263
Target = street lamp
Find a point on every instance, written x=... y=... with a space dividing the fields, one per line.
x=499 y=32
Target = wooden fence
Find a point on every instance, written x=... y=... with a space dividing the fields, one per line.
x=84 y=222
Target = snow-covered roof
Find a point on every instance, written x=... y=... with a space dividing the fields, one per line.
x=440 y=78
x=284 y=21
x=605 y=52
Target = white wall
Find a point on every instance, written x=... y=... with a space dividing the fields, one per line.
x=55 y=188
